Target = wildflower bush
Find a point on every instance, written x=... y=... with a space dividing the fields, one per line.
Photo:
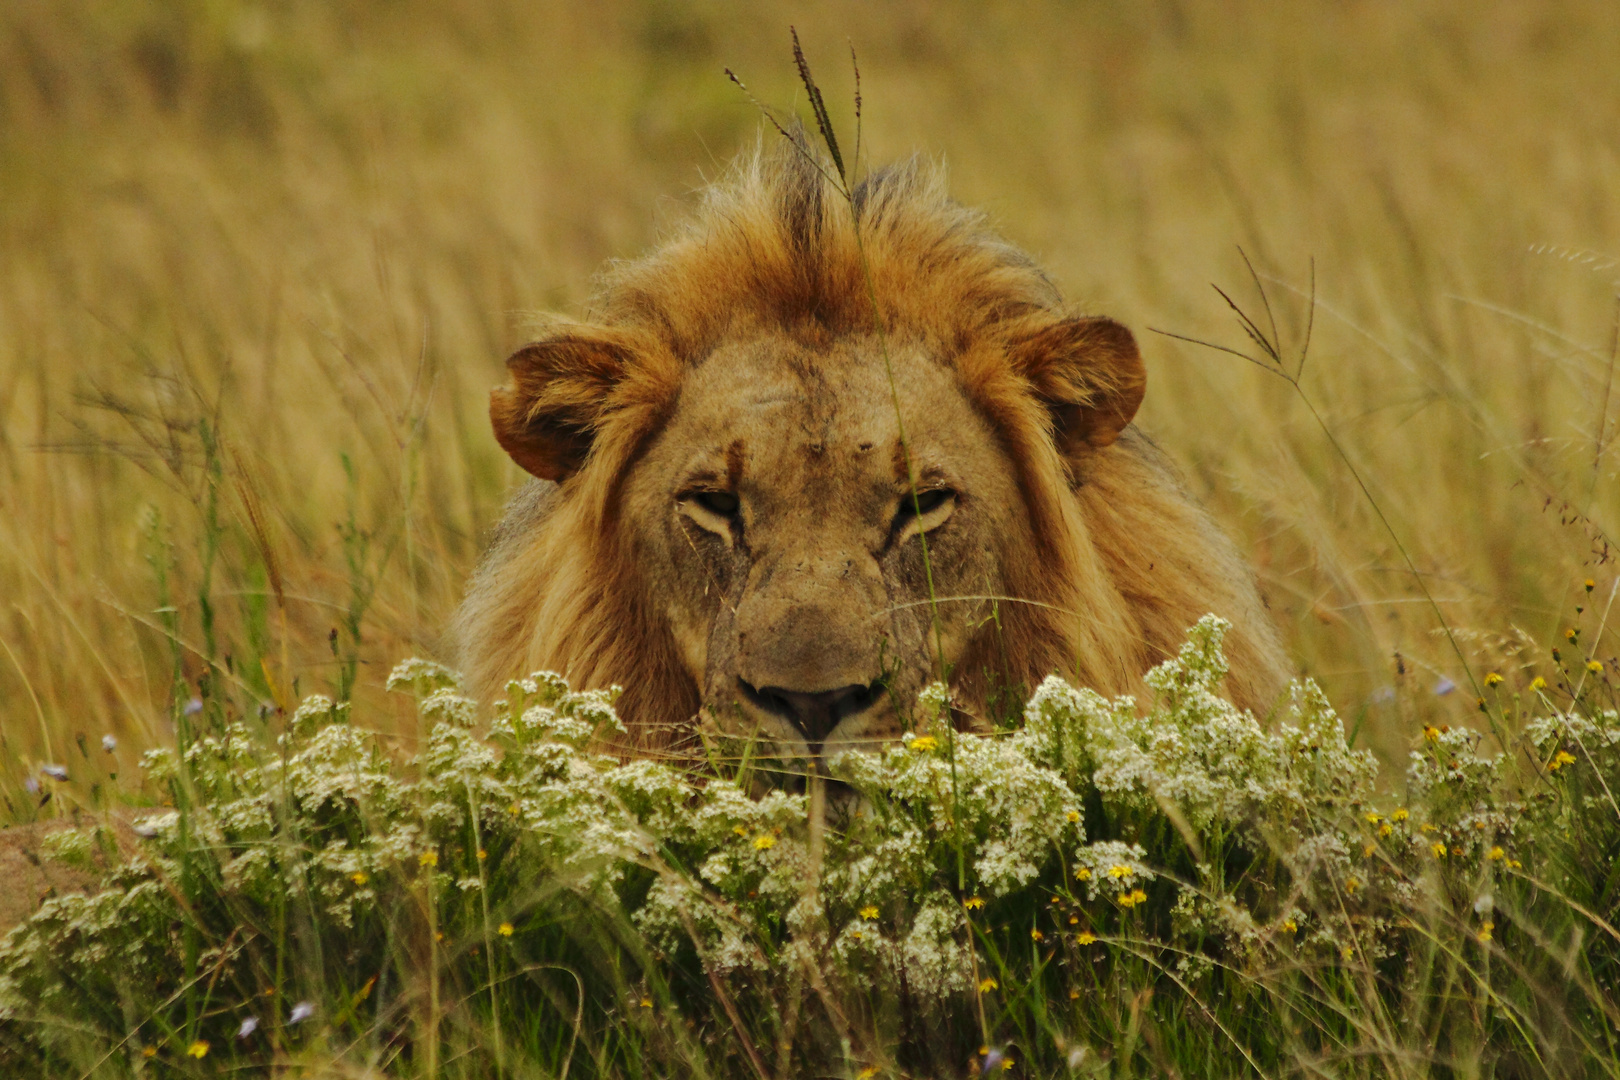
x=1107 y=889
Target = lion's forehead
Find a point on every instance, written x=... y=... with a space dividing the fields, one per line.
x=784 y=399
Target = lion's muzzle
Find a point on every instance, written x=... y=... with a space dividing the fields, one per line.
x=814 y=714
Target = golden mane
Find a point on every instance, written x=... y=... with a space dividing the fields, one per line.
x=1120 y=562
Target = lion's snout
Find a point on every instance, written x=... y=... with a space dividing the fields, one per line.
x=814 y=714
x=810 y=644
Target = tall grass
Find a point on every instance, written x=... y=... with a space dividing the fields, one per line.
x=259 y=263
x=1109 y=890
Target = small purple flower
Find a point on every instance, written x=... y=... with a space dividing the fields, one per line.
x=249 y=1026
x=193 y=707
x=31 y=785
x=108 y=743
x=55 y=772
x=1444 y=687
x=301 y=1012
x=992 y=1061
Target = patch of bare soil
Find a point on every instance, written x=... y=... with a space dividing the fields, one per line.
x=28 y=877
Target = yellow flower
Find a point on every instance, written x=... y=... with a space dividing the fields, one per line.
x=1399 y=815
x=1496 y=854
x=198 y=1050
x=739 y=830
x=482 y=854
x=505 y=929
x=1373 y=819
x=1074 y=995
x=1485 y=931
x=646 y=1003
x=764 y=842
x=1594 y=666
x=1570 y=634
x=359 y=877
x=1590 y=584
x=1352 y=884
x=1431 y=732
x=1119 y=871
x=1036 y=935
x=148 y=1051
x=1514 y=864
x=1007 y=1064
x=1290 y=925
x=1132 y=898
x=1073 y=816
x=1369 y=849
x=924 y=742
x=856 y=934
x=1385 y=829
x=1349 y=952
x=1439 y=850
x=1083 y=874
x=973 y=903
x=1085 y=937
x=1074 y=920
x=987 y=984
x=1560 y=759
x=428 y=858
x=513 y=809
x=1538 y=683
x=1493 y=679
x=1426 y=827
x=867 y=1073
x=869 y=912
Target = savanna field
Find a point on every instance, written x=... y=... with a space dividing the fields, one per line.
x=260 y=265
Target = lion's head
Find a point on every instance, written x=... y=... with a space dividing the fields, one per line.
x=813 y=453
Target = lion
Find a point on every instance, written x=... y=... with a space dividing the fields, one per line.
x=817 y=451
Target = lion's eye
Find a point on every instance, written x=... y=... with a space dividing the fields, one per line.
x=926 y=502
x=718 y=503
x=923 y=511
x=716 y=512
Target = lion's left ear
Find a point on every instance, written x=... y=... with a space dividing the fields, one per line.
x=1090 y=375
x=547 y=417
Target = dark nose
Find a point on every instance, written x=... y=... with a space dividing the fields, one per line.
x=816 y=713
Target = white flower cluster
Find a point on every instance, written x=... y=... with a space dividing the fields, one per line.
x=1101 y=817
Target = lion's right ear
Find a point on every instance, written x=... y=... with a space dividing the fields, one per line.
x=547 y=418
x=1089 y=374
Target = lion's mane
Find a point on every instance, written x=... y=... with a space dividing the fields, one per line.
x=1121 y=561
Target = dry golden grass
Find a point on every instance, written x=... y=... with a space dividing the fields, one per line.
x=242 y=243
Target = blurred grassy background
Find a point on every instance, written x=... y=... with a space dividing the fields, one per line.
x=261 y=262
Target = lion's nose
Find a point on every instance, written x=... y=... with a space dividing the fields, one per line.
x=814 y=713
